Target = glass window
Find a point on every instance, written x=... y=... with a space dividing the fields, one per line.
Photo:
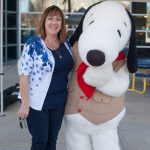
x=3 y=53
x=26 y=34
x=11 y=36
x=70 y=32
x=73 y=19
x=11 y=5
x=144 y=53
x=39 y=5
x=143 y=38
x=141 y=22
x=3 y=19
x=3 y=36
x=11 y=20
x=24 y=5
x=3 y=5
x=30 y=20
x=141 y=8
x=147 y=36
x=1 y=13
x=11 y=52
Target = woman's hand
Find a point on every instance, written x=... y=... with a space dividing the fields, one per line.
x=24 y=108
x=23 y=111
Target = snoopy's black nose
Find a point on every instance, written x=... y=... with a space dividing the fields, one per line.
x=95 y=57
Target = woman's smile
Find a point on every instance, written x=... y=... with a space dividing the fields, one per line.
x=53 y=24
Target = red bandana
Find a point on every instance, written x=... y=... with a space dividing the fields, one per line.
x=87 y=89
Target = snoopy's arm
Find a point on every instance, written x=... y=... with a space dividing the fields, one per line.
x=98 y=76
x=118 y=84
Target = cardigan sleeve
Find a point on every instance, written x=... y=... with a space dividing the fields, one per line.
x=25 y=64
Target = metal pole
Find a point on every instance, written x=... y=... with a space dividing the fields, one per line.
x=5 y=32
x=1 y=55
x=18 y=29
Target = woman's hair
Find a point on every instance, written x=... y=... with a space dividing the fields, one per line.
x=52 y=10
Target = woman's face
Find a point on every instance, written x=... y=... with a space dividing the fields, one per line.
x=53 y=24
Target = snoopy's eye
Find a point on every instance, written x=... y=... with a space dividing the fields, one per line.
x=91 y=22
x=125 y=24
x=119 y=32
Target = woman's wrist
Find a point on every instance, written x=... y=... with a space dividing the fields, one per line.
x=25 y=103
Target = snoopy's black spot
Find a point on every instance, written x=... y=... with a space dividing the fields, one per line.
x=119 y=33
x=91 y=22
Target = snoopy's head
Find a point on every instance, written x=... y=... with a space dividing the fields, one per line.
x=104 y=31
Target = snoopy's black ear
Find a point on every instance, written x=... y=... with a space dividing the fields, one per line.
x=132 y=58
x=77 y=33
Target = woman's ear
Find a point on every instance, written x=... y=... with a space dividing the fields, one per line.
x=132 y=58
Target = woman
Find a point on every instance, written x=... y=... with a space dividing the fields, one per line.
x=45 y=64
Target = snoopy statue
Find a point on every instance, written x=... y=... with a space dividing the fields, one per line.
x=100 y=78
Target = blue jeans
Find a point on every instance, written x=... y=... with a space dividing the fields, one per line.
x=44 y=127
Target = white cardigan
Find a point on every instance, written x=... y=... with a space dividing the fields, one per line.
x=38 y=63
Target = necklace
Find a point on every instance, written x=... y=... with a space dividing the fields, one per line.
x=56 y=50
x=58 y=53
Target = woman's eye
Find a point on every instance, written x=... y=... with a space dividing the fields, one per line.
x=59 y=19
x=119 y=32
x=91 y=22
x=49 y=18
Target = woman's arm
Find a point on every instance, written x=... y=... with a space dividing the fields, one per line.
x=25 y=66
x=24 y=108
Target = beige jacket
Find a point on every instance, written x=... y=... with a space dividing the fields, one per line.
x=99 y=108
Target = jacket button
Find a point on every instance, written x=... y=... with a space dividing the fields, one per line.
x=79 y=110
x=81 y=97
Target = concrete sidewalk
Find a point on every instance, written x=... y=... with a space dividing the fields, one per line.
x=134 y=130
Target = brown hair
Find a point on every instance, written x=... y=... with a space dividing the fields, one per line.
x=52 y=10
